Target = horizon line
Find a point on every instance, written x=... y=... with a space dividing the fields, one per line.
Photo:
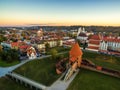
x=29 y=25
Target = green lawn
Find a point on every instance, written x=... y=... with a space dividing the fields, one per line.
x=5 y=64
x=107 y=61
x=42 y=71
x=8 y=84
x=89 y=80
x=59 y=49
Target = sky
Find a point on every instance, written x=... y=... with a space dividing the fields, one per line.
x=60 y=12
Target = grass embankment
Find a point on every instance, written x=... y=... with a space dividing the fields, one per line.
x=8 y=84
x=42 y=71
x=89 y=80
x=59 y=49
x=7 y=64
x=107 y=61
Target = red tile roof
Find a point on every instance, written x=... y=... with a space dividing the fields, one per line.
x=68 y=43
x=111 y=39
x=24 y=46
x=95 y=37
x=82 y=35
x=93 y=47
x=75 y=52
x=15 y=44
x=94 y=42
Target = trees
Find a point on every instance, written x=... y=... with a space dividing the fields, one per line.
x=2 y=38
x=85 y=44
x=58 y=43
x=9 y=55
x=53 y=53
x=47 y=46
x=78 y=41
x=1 y=48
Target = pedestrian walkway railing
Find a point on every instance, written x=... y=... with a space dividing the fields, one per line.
x=27 y=82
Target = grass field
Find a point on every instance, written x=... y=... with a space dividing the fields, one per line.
x=59 y=49
x=89 y=80
x=42 y=71
x=8 y=84
x=107 y=61
x=5 y=64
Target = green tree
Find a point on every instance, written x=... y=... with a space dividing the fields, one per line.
x=23 y=34
x=9 y=59
x=1 y=48
x=85 y=45
x=58 y=43
x=9 y=55
x=53 y=53
x=47 y=46
x=2 y=38
x=78 y=41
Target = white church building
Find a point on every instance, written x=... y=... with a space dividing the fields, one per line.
x=81 y=35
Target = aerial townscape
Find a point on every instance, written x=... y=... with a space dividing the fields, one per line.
x=59 y=45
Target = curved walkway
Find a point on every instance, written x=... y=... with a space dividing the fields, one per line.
x=5 y=70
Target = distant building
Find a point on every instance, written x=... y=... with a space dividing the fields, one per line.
x=14 y=45
x=5 y=45
x=81 y=35
x=40 y=33
x=110 y=45
x=54 y=43
x=41 y=47
x=68 y=42
x=23 y=48
x=31 y=53
x=18 y=44
x=94 y=43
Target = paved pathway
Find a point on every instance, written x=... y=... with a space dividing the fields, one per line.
x=27 y=81
x=62 y=85
x=5 y=70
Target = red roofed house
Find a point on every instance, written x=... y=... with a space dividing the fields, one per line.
x=68 y=42
x=23 y=48
x=110 y=44
x=15 y=45
x=94 y=43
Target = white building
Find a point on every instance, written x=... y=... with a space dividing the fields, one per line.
x=110 y=43
x=81 y=35
x=31 y=53
x=54 y=43
x=41 y=47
